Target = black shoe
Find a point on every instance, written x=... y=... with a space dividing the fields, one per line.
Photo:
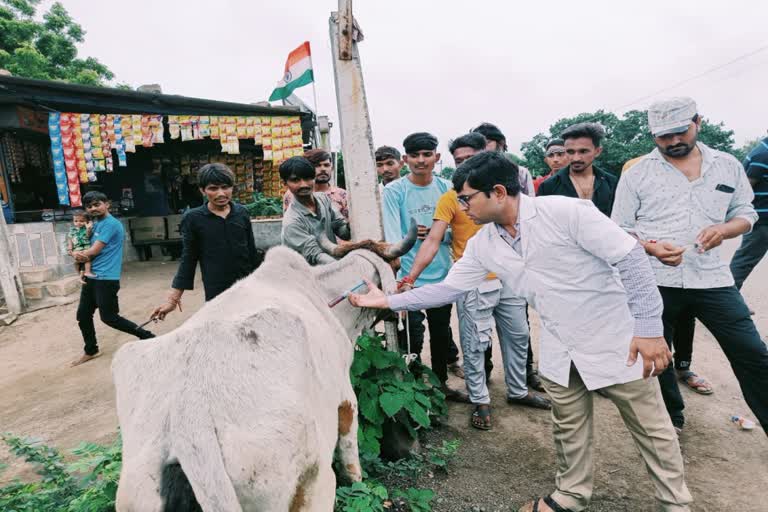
x=534 y=382
x=531 y=400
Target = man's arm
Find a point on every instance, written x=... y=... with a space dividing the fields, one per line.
x=252 y=258
x=428 y=248
x=339 y=223
x=303 y=240
x=391 y=213
x=185 y=273
x=90 y=253
x=646 y=306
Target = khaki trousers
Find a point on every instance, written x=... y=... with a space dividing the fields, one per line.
x=642 y=409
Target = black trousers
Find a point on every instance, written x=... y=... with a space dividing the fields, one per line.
x=685 y=328
x=442 y=347
x=724 y=313
x=102 y=295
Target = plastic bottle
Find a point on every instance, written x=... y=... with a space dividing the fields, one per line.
x=743 y=423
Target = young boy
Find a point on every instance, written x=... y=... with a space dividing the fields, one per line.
x=100 y=292
x=79 y=239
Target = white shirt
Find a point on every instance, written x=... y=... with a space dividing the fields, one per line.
x=658 y=202
x=566 y=273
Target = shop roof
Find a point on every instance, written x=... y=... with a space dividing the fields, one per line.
x=66 y=97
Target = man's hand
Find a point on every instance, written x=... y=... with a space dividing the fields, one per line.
x=710 y=237
x=666 y=252
x=655 y=352
x=422 y=232
x=80 y=256
x=174 y=300
x=375 y=298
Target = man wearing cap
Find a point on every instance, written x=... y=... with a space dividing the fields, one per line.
x=755 y=244
x=555 y=158
x=498 y=142
x=581 y=178
x=415 y=196
x=681 y=201
x=684 y=330
x=388 y=165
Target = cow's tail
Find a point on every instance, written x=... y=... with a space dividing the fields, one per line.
x=198 y=480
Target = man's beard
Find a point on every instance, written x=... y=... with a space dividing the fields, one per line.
x=322 y=179
x=678 y=150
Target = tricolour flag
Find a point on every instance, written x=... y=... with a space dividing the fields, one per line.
x=298 y=73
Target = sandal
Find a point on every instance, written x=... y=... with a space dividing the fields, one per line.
x=533 y=506
x=695 y=382
x=481 y=417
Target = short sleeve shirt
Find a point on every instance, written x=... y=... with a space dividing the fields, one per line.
x=108 y=263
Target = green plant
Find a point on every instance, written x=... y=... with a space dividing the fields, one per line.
x=419 y=500
x=263 y=206
x=433 y=458
x=87 y=485
x=387 y=388
x=361 y=497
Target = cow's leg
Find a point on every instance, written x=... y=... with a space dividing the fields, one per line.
x=316 y=489
x=347 y=442
x=139 y=487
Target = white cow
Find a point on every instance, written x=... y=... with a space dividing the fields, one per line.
x=241 y=408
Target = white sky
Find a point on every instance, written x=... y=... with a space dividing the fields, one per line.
x=444 y=66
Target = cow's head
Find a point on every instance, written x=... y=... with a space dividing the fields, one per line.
x=384 y=257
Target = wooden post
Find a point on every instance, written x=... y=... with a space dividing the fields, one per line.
x=10 y=280
x=356 y=136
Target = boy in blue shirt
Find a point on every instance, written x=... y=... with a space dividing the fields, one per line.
x=415 y=196
x=106 y=256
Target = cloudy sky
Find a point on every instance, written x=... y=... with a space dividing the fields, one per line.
x=444 y=66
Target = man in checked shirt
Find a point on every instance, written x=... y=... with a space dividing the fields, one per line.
x=681 y=201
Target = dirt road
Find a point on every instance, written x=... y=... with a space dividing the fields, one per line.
x=498 y=470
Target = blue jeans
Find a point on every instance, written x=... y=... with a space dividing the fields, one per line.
x=724 y=313
x=753 y=247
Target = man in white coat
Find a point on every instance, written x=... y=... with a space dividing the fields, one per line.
x=595 y=292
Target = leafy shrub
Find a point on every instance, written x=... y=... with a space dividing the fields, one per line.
x=387 y=389
x=87 y=485
x=263 y=206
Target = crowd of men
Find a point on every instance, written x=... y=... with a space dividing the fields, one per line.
x=618 y=269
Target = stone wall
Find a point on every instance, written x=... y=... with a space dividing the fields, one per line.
x=44 y=244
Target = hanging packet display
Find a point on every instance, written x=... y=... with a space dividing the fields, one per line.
x=57 y=155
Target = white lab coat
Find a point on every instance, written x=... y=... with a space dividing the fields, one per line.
x=567 y=275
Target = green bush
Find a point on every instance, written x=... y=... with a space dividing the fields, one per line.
x=263 y=206
x=87 y=485
x=386 y=387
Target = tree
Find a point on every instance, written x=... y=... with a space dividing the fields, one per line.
x=45 y=49
x=625 y=138
x=447 y=172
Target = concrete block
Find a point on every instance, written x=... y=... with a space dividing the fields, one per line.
x=33 y=291
x=50 y=246
x=22 y=246
x=266 y=233
x=63 y=287
x=36 y=275
x=38 y=227
x=36 y=248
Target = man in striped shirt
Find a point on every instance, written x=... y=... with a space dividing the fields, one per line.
x=755 y=244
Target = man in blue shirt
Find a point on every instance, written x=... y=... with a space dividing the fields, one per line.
x=415 y=196
x=106 y=256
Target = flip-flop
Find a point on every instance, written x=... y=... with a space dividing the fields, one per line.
x=697 y=383
x=533 y=506
x=481 y=414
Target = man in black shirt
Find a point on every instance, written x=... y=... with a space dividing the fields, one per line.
x=581 y=178
x=218 y=235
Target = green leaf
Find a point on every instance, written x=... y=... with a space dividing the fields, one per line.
x=419 y=414
x=392 y=403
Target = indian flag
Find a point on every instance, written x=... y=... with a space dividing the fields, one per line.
x=298 y=73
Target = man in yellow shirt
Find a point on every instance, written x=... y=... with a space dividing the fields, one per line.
x=479 y=308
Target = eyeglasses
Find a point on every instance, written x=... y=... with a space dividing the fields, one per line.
x=555 y=153
x=464 y=199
